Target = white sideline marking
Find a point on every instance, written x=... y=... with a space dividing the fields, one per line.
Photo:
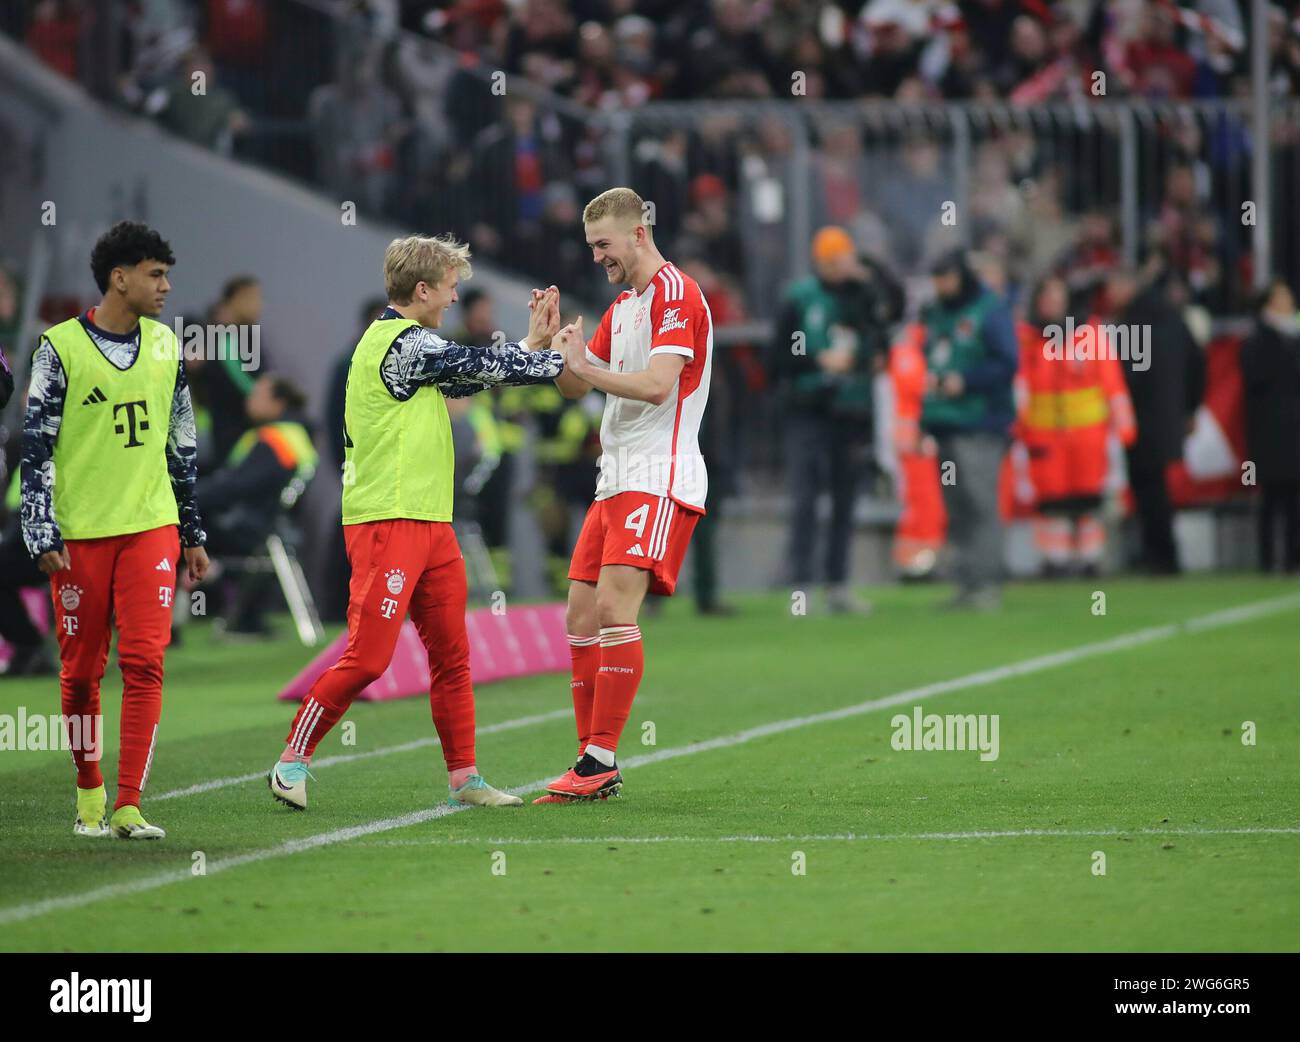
x=388 y=750
x=845 y=837
x=1230 y=616
x=1037 y=664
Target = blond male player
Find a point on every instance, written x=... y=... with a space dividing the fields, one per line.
x=397 y=507
x=651 y=355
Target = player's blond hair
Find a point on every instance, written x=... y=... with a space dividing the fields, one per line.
x=619 y=203
x=421 y=258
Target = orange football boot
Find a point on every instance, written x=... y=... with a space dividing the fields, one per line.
x=597 y=781
x=550 y=797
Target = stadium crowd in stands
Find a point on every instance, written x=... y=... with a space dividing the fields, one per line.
x=399 y=106
x=621 y=53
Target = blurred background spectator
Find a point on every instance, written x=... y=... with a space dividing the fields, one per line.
x=241 y=501
x=828 y=346
x=1166 y=383
x=222 y=375
x=971 y=356
x=1270 y=369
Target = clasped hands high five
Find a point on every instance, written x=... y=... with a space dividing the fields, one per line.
x=544 y=330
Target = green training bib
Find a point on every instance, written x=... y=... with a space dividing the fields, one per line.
x=110 y=460
x=398 y=460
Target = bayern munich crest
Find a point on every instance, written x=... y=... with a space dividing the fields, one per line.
x=70 y=597
x=396 y=581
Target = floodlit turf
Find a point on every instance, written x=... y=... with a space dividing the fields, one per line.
x=1134 y=753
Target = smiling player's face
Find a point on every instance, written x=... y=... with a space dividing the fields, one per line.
x=439 y=299
x=613 y=247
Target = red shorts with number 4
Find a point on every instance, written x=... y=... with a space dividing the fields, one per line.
x=638 y=529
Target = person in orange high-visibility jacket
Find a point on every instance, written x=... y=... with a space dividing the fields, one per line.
x=922 y=525
x=1071 y=399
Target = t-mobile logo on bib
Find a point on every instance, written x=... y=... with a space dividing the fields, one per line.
x=132 y=424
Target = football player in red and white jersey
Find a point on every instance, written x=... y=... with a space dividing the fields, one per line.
x=651 y=355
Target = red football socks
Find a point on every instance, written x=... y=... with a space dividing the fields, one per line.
x=622 y=662
x=585 y=653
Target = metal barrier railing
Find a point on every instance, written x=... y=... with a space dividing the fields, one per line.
x=1022 y=184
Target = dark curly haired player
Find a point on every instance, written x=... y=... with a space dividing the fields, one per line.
x=107 y=479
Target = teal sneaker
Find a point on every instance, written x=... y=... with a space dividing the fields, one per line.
x=288 y=782
x=478 y=793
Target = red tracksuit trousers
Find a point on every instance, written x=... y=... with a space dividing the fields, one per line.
x=130 y=579
x=399 y=565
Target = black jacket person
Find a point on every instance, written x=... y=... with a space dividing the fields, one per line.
x=1165 y=372
x=1270 y=370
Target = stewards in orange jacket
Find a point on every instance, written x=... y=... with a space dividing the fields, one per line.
x=919 y=534
x=1071 y=398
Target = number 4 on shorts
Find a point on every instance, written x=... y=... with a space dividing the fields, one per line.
x=636 y=520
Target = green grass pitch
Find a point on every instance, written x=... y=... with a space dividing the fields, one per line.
x=811 y=835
